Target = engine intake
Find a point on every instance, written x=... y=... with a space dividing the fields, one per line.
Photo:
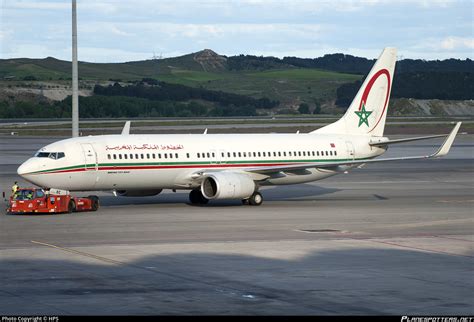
x=138 y=193
x=227 y=185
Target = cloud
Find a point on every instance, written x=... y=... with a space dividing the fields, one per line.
x=454 y=43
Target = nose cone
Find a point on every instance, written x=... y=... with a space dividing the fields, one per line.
x=26 y=170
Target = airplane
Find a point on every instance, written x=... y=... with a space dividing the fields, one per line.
x=227 y=166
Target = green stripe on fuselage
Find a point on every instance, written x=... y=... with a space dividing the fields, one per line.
x=197 y=163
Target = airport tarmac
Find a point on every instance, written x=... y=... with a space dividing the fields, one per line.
x=391 y=238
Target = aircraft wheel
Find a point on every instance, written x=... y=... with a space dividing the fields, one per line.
x=256 y=199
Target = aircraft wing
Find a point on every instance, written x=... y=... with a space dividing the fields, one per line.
x=442 y=151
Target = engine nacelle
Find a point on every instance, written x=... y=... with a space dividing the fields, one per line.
x=227 y=185
x=138 y=193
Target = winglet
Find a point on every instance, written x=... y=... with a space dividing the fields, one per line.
x=126 y=128
x=444 y=149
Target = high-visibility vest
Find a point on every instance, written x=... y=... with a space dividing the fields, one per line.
x=14 y=188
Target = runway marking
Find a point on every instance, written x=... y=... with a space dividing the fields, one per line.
x=319 y=231
x=417 y=248
x=80 y=253
x=460 y=239
x=456 y=201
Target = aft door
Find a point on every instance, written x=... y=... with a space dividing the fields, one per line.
x=90 y=157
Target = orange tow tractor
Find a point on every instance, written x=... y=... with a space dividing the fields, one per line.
x=39 y=201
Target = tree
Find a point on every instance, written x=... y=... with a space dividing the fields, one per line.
x=317 y=108
x=304 y=108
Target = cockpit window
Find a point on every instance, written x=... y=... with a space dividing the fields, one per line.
x=51 y=155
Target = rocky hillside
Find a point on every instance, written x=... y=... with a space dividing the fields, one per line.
x=408 y=106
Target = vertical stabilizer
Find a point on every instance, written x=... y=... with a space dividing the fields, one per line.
x=368 y=110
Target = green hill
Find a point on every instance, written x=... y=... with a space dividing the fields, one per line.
x=204 y=69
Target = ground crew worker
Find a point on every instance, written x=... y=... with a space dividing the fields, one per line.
x=15 y=188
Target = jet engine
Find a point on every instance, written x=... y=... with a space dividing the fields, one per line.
x=227 y=185
x=138 y=193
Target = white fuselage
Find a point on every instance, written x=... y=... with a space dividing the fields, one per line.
x=140 y=162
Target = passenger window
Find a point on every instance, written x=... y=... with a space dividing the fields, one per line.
x=258 y=154
x=235 y=155
x=159 y=155
x=131 y=156
x=171 y=155
x=279 y=153
x=166 y=155
x=326 y=153
x=108 y=156
x=299 y=153
x=198 y=155
x=120 y=156
x=213 y=155
x=115 y=157
x=335 y=152
x=136 y=156
x=147 y=155
x=313 y=153
x=153 y=156
x=228 y=154
x=125 y=156
x=142 y=156
x=240 y=154
x=274 y=154
x=264 y=154
x=187 y=155
x=317 y=153
x=176 y=155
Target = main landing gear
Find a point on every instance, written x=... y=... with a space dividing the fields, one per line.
x=255 y=199
x=196 y=197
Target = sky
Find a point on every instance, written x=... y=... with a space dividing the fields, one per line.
x=119 y=31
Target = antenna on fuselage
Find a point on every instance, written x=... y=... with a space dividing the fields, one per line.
x=75 y=98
